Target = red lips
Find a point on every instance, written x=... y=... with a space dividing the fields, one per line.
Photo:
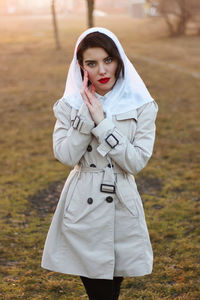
x=104 y=80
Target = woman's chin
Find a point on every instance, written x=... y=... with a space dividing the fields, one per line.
x=104 y=89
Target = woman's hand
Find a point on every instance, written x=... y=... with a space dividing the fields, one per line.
x=93 y=103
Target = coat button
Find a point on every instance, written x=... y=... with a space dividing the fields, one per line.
x=93 y=166
x=89 y=200
x=89 y=148
x=109 y=165
x=109 y=199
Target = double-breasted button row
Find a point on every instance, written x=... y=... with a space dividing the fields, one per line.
x=109 y=199
x=90 y=200
x=109 y=165
x=89 y=148
x=93 y=165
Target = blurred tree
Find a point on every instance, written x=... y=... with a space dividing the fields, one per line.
x=177 y=14
x=55 y=27
x=90 y=5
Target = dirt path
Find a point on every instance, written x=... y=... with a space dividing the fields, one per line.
x=165 y=64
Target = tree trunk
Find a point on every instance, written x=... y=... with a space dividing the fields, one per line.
x=180 y=9
x=90 y=5
x=181 y=26
x=169 y=24
x=55 y=25
x=184 y=18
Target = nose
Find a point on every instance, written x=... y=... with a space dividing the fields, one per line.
x=102 y=69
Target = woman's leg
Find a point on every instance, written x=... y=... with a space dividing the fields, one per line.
x=102 y=289
x=98 y=289
x=116 y=287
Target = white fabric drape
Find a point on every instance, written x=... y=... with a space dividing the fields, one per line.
x=128 y=93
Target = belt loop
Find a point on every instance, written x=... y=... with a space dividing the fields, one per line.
x=108 y=183
x=111 y=168
x=125 y=175
x=78 y=167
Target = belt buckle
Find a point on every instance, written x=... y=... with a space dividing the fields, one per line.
x=76 y=122
x=107 y=188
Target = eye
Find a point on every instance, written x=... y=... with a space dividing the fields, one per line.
x=91 y=64
x=108 y=60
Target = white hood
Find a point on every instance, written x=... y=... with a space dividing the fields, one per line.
x=128 y=93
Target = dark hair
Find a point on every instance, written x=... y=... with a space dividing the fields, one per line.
x=98 y=39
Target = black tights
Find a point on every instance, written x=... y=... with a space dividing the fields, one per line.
x=102 y=289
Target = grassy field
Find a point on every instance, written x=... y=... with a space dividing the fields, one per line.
x=33 y=77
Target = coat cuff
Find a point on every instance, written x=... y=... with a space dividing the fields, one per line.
x=85 y=114
x=83 y=121
x=107 y=135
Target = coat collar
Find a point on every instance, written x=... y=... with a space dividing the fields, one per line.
x=131 y=114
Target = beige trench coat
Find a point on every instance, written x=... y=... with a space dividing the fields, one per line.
x=99 y=228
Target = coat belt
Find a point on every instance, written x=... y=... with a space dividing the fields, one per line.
x=82 y=168
x=108 y=184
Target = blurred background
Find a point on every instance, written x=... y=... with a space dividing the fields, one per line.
x=162 y=39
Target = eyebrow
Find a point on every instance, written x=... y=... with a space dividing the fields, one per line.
x=90 y=60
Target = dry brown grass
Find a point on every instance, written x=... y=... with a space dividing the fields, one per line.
x=33 y=79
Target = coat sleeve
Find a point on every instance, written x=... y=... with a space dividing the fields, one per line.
x=71 y=138
x=132 y=157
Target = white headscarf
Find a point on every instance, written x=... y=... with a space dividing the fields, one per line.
x=128 y=93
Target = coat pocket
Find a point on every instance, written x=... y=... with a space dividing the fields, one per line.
x=76 y=209
x=128 y=196
x=84 y=200
x=130 y=204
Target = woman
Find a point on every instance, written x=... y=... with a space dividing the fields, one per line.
x=105 y=128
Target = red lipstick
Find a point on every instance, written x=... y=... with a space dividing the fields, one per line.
x=104 y=80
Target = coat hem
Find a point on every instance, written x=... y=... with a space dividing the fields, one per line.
x=123 y=274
